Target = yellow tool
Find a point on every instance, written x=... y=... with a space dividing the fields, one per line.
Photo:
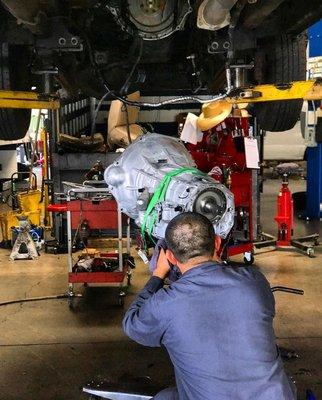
x=215 y=112
x=29 y=207
x=31 y=100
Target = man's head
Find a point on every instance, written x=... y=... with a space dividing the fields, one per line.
x=190 y=236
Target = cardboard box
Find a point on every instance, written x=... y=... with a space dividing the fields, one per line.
x=117 y=129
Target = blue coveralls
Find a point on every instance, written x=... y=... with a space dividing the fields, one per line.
x=216 y=323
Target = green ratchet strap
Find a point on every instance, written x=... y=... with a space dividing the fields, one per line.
x=159 y=196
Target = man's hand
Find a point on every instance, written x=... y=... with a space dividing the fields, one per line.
x=163 y=266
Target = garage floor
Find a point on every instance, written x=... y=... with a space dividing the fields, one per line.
x=48 y=352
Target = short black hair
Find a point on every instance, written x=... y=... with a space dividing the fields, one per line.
x=190 y=235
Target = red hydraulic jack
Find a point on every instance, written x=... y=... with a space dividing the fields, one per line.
x=285 y=223
x=284 y=217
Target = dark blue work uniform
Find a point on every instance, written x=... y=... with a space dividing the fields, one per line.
x=216 y=323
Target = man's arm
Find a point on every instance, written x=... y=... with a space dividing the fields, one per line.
x=143 y=321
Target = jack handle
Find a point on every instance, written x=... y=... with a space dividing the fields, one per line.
x=287 y=290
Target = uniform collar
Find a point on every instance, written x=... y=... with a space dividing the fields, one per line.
x=200 y=268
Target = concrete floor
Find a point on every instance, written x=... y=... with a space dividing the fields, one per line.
x=48 y=352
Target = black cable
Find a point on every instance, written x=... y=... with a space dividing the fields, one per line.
x=153 y=105
x=53 y=297
x=124 y=88
x=287 y=290
x=131 y=263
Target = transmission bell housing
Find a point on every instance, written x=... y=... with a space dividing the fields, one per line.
x=135 y=176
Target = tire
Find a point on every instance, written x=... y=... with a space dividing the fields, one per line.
x=14 y=75
x=284 y=61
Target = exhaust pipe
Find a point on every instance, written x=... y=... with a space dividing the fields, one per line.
x=214 y=14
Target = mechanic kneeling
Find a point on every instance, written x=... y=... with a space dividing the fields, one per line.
x=215 y=321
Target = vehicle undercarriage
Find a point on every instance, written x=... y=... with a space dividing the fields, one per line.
x=157 y=46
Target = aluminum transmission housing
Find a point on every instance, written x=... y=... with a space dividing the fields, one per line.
x=135 y=175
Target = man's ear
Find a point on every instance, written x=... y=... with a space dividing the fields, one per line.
x=217 y=242
x=171 y=258
x=217 y=246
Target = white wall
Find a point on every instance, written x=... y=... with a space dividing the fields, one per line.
x=288 y=145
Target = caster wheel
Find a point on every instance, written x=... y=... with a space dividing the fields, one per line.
x=71 y=303
x=249 y=258
x=120 y=301
x=310 y=252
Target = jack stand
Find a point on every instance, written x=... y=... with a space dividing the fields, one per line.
x=284 y=219
x=24 y=239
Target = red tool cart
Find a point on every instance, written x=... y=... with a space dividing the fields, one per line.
x=91 y=209
x=221 y=154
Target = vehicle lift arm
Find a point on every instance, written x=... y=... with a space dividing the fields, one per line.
x=29 y=100
x=306 y=90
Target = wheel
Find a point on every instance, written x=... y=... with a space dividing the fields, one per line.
x=283 y=61
x=249 y=258
x=14 y=75
x=310 y=252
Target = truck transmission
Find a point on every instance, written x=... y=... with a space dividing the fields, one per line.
x=155 y=179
